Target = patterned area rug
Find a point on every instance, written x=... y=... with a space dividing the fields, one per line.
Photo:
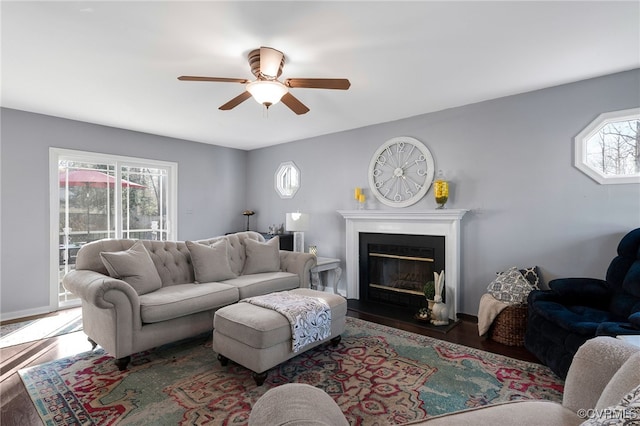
x=28 y=331
x=378 y=375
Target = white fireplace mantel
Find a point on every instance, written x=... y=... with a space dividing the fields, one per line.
x=440 y=222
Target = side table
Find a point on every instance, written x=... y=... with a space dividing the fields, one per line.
x=331 y=268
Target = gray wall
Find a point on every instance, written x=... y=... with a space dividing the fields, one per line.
x=211 y=185
x=510 y=161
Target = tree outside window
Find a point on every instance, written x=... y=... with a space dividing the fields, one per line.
x=608 y=149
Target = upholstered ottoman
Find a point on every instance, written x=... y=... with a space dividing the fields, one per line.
x=259 y=338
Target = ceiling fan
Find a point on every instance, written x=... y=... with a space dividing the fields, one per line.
x=266 y=64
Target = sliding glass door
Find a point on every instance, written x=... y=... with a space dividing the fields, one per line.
x=96 y=196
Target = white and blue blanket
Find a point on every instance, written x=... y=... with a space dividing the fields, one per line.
x=310 y=317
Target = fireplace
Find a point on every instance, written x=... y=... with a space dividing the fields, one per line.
x=395 y=267
x=443 y=223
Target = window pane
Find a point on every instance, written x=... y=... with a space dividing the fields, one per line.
x=614 y=149
x=86 y=193
x=144 y=203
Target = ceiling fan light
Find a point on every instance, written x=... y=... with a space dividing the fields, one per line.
x=267 y=92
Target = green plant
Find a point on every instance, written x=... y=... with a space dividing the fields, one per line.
x=430 y=290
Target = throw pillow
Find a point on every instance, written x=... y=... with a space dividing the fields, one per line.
x=510 y=287
x=133 y=266
x=532 y=276
x=211 y=262
x=261 y=257
x=626 y=412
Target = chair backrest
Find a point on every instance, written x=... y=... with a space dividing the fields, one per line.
x=623 y=276
x=171 y=258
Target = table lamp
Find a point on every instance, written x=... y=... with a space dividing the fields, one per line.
x=297 y=223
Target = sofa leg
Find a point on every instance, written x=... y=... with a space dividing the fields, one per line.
x=335 y=341
x=122 y=363
x=93 y=343
x=259 y=377
x=223 y=360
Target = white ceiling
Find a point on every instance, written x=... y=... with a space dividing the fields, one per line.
x=116 y=63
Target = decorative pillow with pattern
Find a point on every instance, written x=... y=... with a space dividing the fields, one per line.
x=133 y=266
x=627 y=412
x=510 y=287
x=532 y=275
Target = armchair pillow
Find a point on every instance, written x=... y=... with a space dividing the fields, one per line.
x=262 y=257
x=626 y=412
x=210 y=262
x=133 y=266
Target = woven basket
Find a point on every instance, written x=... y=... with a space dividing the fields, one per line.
x=510 y=325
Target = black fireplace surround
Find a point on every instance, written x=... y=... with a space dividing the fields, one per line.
x=395 y=267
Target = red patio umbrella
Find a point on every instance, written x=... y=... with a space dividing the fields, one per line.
x=93 y=179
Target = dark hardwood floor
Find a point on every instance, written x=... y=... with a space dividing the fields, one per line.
x=18 y=410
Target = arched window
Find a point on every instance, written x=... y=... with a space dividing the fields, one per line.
x=608 y=149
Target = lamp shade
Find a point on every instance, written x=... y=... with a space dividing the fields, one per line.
x=267 y=92
x=297 y=222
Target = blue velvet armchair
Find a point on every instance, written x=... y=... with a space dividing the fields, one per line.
x=560 y=320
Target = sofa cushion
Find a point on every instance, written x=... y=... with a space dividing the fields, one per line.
x=184 y=299
x=264 y=283
x=510 y=287
x=211 y=262
x=582 y=320
x=261 y=257
x=133 y=266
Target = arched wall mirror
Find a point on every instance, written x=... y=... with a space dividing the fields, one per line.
x=287 y=179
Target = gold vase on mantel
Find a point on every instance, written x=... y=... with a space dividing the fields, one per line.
x=441 y=190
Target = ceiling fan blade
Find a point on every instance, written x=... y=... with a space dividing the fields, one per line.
x=236 y=101
x=294 y=104
x=318 y=83
x=218 y=79
x=271 y=61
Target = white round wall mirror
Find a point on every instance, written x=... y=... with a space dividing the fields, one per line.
x=287 y=179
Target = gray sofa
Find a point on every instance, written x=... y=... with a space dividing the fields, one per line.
x=139 y=294
x=602 y=387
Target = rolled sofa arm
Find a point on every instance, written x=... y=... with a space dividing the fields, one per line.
x=103 y=292
x=592 y=368
x=298 y=263
x=296 y=404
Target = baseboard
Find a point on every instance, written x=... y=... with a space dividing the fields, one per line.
x=8 y=316
x=468 y=318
